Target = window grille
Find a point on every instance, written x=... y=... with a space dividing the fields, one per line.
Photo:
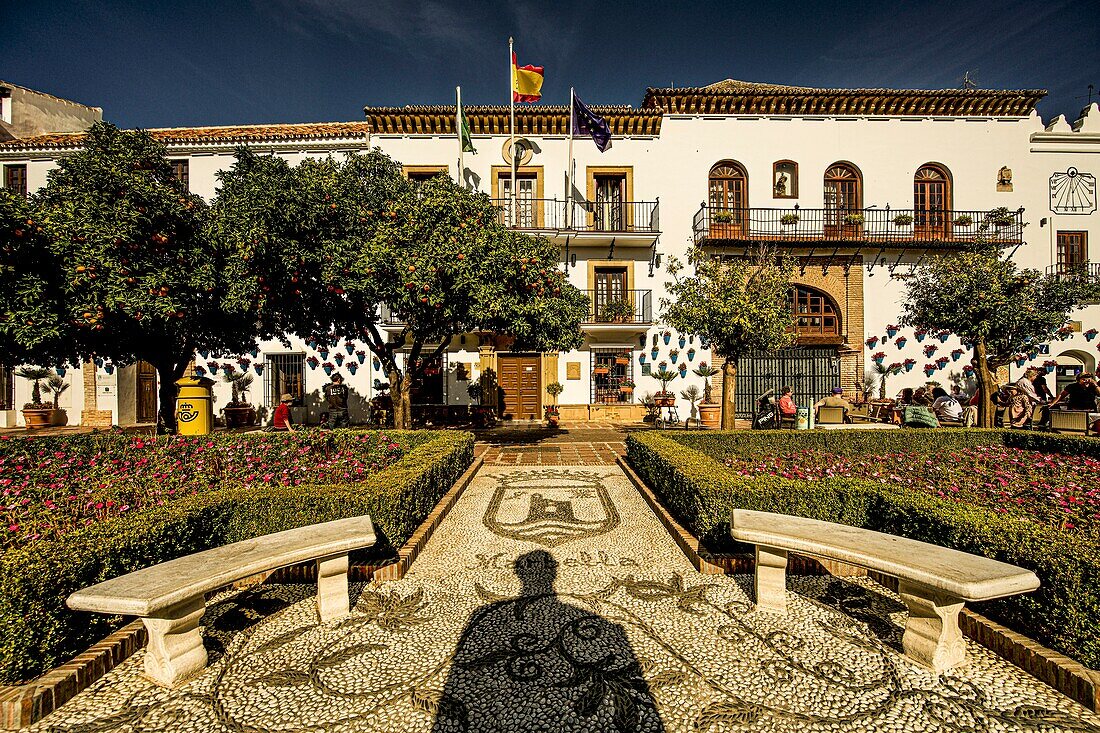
x=181 y=169
x=284 y=374
x=606 y=385
x=15 y=178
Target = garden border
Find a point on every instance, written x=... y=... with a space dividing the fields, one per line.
x=1064 y=674
x=23 y=705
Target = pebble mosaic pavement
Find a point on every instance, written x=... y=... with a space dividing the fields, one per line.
x=551 y=599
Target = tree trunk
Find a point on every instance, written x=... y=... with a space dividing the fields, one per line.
x=167 y=374
x=729 y=394
x=986 y=411
x=399 y=395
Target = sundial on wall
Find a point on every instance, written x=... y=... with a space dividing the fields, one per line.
x=1073 y=192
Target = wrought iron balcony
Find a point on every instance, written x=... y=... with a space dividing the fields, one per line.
x=555 y=215
x=853 y=227
x=1087 y=271
x=628 y=306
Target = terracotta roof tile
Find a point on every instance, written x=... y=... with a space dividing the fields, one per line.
x=493 y=120
x=198 y=135
x=739 y=97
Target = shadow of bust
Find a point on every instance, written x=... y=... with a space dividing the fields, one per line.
x=536 y=663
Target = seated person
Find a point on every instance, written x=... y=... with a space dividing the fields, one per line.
x=905 y=397
x=945 y=406
x=787 y=408
x=836 y=399
x=1081 y=394
x=923 y=397
x=282 y=419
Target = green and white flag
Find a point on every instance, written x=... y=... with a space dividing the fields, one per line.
x=463 y=126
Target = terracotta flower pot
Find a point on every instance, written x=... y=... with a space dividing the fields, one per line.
x=37 y=419
x=239 y=417
x=710 y=415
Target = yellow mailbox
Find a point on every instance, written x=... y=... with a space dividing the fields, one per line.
x=194 y=406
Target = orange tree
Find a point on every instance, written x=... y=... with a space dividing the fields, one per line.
x=330 y=244
x=991 y=304
x=737 y=304
x=33 y=327
x=139 y=277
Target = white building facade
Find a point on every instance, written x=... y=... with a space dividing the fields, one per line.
x=856 y=186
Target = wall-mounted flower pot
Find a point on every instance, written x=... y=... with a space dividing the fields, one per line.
x=350 y=348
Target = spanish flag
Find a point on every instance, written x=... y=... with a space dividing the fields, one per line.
x=526 y=82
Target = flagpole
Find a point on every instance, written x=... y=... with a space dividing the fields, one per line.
x=458 y=132
x=569 y=170
x=512 y=122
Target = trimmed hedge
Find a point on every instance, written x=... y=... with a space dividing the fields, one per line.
x=37 y=630
x=687 y=472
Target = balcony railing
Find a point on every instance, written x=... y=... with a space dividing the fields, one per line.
x=627 y=217
x=1088 y=271
x=628 y=306
x=858 y=226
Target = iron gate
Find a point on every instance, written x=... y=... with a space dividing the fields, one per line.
x=811 y=372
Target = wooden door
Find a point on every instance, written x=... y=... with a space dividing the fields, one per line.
x=146 y=392
x=1072 y=252
x=520 y=384
x=842 y=200
x=931 y=203
x=727 y=194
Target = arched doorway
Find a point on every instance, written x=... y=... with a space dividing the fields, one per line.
x=843 y=200
x=1070 y=364
x=931 y=202
x=728 y=197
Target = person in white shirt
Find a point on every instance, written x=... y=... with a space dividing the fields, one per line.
x=945 y=406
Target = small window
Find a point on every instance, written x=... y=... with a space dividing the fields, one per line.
x=181 y=169
x=424 y=173
x=814 y=313
x=15 y=178
x=785 y=180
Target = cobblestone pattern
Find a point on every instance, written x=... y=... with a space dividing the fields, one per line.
x=551 y=599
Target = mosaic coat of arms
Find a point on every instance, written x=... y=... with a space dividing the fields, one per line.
x=551 y=507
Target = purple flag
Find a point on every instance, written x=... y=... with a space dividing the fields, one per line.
x=586 y=122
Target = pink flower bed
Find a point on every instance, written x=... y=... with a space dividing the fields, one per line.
x=52 y=486
x=1058 y=490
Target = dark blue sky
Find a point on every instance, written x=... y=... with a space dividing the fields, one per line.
x=195 y=62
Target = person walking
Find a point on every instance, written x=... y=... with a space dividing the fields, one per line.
x=336 y=398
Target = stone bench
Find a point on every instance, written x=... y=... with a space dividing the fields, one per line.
x=934 y=582
x=169 y=597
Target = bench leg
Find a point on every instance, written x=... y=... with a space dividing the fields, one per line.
x=932 y=635
x=332 y=587
x=771 y=578
x=174 y=653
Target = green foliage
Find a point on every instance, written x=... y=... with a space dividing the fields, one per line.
x=737 y=305
x=35 y=375
x=57 y=387
x=687 y=472
x=140 y=277
x=38 y=632
x=33 y=326
x=239 y=383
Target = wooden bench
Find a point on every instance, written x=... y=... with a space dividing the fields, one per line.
x=934 y=582
x=169 y=597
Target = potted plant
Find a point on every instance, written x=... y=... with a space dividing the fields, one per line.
x=666 y=337
x=551 y=411
x=903 y=220
x=691 y=394
x=710 y=412
x=1000 y=217
x=1050 y=365
x=600 y=370
x=789 y=219
x=626 y=386
x=852 y=224
x=674 y=354
x=964 y=220
x=664 y=398
x=900 y=342
x=622 y=358
x=892 y=330
x=57 y=386
x=722 y=217
x=238 y=412
x=617 y=311
x=36 y=413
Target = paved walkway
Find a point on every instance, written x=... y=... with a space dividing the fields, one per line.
x=551 y=599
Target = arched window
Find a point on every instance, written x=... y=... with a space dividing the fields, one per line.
x=728 y=194
x=728 y=186
x=931 y=201
x=843 y=198
x=814 y=312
